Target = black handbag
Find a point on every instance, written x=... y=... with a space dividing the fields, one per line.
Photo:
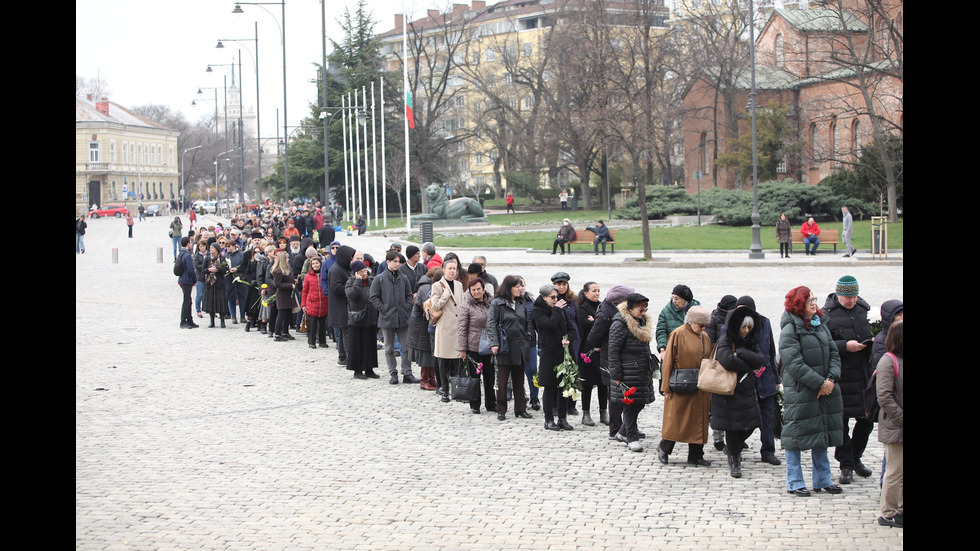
x=357 y=316
x=502 y=347
x=685 y=381
x=463 y=387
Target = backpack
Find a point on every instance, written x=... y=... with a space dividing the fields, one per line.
x=179 y=264
x=869 y=396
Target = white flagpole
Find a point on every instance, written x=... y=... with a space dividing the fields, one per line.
x=347 y=190
x=384 y=166
x=374 y=154
x=367 y=162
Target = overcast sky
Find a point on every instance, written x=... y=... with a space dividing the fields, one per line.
x=157 y=52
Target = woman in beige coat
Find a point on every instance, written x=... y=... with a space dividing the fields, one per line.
x=891 y=427
x=686 y=415
x=447 y=296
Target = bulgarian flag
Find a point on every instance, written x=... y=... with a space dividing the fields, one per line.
x=409 y=114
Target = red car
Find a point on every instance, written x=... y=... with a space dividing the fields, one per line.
x=112 y=210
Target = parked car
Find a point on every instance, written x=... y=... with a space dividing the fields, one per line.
x=152 y=210
x=112 y=210
x=210 y=207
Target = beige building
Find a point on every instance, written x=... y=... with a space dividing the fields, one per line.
x=122 y=158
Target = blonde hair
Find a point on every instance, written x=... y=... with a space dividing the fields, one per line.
x=281 y=265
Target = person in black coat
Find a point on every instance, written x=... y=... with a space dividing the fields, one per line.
x=851 y=331
x=362 y=350
x=738 y=414
x=587 y=304
x=509 y=315
x=630 y=364
x=337 y=298
x=599 y=338
x=551 y=324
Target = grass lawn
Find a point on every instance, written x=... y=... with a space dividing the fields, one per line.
x=673 y=238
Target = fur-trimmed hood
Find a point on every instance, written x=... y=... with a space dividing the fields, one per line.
x=643 y=332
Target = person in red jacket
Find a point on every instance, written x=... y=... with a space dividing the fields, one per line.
x=510 y=203
x=811 y=235
x=315 y=305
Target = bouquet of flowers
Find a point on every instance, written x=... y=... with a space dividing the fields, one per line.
x=568 y=380
x=587 y=356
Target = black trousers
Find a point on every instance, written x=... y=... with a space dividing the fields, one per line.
x=850 y=452
x=551 y=399
x=185 y=306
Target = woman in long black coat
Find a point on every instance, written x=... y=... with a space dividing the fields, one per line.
x=215 y=303
x=551 y=323
x=587 y=307
x=738 y=415
x=362 y=352
x=599 y=338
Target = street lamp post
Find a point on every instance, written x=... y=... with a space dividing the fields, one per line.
x=258 y=118
x=282 y=34
x=755 y=251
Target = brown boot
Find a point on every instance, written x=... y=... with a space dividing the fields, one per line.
x=428 y=379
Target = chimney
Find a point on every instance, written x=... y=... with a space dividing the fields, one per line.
x=433 y=13
x=88 y=97
x=459 y=8
x=399 y=21
x=479 y=4
x=102 y=106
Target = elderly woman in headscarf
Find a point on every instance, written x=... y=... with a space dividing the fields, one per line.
x=685 y=413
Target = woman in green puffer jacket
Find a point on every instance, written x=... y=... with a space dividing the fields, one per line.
x=814 y=415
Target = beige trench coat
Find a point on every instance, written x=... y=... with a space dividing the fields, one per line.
x=685 y=415
x=448 y=302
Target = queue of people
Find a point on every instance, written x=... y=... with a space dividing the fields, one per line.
x=454 y=320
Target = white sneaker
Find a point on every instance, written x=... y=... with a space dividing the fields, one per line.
x=635 y=446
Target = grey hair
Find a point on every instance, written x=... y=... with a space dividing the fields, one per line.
x=546 y=289
x=747 y=321
x=429 y=248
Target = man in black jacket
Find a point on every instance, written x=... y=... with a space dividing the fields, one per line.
x=849 y=326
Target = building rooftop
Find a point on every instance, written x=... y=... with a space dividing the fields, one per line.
x=90 y=110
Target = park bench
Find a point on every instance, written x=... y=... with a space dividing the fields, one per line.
x=827 y=237
x=585 y=237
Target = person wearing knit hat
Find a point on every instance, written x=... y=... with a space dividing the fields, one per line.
x=412 y=268
x=847 y=319
x=767 y=383
x=672 y=315
x=685 y=413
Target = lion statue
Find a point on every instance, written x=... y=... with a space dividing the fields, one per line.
x=440 y=207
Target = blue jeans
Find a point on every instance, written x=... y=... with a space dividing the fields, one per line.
x=199 y=297
x=821 y=469
x=79 y=242
x=176 y=240
x=814 y=240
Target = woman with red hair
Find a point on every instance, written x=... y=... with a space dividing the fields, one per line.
x=814 y=410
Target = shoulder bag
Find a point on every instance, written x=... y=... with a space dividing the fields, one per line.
x=714 y=378
x=685 y=381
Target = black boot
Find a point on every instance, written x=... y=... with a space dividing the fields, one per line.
x=222 y=322
x=248 y=325
x=735 y=465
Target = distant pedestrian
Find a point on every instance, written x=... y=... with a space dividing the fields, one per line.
x=80 y=225
x=784 y=236
x=187 y=281
x=510 y=203
x=142 y=211
x=176 y=227
x=130 y=222
x=563 y=197
x=848 y=231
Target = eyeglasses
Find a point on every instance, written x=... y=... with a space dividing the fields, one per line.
x=553 y=297
x=811 y=300
x=700 y=325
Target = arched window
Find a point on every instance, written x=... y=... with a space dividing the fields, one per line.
x=814 y=146
x=780 y=51
x=834 y=140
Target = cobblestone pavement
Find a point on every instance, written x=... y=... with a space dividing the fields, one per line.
x=218 y=439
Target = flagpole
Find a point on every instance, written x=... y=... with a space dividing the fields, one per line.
x=408 y=103
x=384 y=165
x=374 y=153
x=347 y=190
x=367 y=162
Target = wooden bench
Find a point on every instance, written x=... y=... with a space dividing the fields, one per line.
x=586 y=237
x=826 y=237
